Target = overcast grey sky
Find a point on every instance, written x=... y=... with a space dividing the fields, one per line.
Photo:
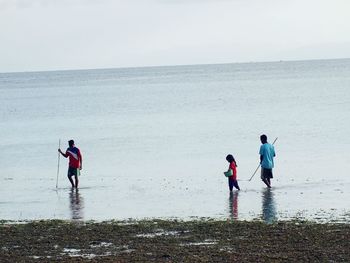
x=79 y=34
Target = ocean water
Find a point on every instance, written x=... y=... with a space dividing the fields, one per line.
x=154 y=141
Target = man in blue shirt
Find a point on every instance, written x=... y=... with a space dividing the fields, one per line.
x=267 y=153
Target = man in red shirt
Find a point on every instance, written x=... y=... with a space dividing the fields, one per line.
x=75 y=162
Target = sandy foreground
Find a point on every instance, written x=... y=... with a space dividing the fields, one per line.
x=174 y=241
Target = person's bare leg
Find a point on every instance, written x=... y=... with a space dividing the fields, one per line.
x=76 y=181
x=267 y=183
x=71 y=181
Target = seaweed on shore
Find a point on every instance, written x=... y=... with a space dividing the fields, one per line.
x=174 y=241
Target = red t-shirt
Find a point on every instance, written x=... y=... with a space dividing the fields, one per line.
x=74 y=157
x=234 y=170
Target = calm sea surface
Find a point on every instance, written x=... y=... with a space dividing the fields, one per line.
x=154 y=141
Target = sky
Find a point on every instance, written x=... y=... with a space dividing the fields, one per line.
x=39 y=35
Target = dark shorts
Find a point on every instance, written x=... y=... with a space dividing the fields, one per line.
x=73 y=172
x=266 y=173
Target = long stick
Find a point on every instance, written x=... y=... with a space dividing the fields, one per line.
x=257 y=168
x=58 y=162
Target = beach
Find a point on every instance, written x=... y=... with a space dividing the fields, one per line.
x=174 y=131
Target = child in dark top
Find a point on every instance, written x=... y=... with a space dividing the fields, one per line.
x=232 y=180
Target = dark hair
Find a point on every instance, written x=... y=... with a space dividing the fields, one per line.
x=231 y=159
x=71 y=143
x=263 y=138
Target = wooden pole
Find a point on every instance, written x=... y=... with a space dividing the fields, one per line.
x=58 y=162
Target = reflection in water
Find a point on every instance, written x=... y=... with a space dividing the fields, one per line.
x=76 y=204
x=233 y=205
x=269 y=214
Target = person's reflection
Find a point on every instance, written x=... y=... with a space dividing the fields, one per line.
x=269 y=214
x=76 y=204
x=233 y=205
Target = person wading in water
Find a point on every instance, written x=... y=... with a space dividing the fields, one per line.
x=75 y=162
x=267 y=153
x=232 y=179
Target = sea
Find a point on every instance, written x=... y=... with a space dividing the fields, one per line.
x=154 y=142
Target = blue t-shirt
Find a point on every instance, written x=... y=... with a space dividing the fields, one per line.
x=268 y=152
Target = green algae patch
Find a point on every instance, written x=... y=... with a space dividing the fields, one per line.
x=174 y=241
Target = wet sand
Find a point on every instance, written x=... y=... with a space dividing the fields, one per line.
x=174 y=241
x=182 y=199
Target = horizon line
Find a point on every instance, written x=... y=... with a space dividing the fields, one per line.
x=175 y=65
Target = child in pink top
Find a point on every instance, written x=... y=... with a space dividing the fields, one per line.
x=232 y=180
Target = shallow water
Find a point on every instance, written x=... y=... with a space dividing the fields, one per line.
x=154 y=141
